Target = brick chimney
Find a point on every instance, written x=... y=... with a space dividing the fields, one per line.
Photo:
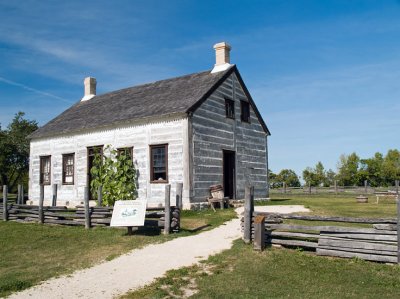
x=90 y=88
x=222 y=57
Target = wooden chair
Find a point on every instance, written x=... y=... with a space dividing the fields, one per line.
x=217 y=196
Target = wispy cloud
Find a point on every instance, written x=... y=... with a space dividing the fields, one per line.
x=41 y=92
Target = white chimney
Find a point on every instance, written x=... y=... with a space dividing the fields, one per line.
x=90 y=88
x=222 y=57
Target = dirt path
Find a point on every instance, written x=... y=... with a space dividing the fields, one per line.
x=139 y=267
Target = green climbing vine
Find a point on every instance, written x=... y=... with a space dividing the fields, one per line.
x=116 y=172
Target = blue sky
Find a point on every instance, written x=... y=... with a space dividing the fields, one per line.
x=324 y=74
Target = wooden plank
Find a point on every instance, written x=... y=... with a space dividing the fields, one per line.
x=364 y=256
x=247 y=216
x=348 y=244
x=392 y=227
x=362 y=240
x=5 y=206
x=297 y=243
x=360 y=236
x=398 y=228
x=290 y=234
x=178 y=199
x=167 y=226
x=41 y=200
x=259 y=233
x=336 y=219
x=87 y=211
x=324 y=228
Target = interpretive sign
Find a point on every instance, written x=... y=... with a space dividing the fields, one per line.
x=128 y=213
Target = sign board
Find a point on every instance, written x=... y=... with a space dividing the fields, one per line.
x=129 y=213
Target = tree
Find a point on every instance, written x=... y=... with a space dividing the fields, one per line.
x=288 y=176
x=391 y=167
x=14 y=151
x=371 y=170
x=330 y=177
x=116 y=172
x=315 y=176
x=348 y=167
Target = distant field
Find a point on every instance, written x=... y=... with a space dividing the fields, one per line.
x=337 y=205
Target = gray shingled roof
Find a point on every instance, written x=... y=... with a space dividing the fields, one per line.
x=175 y=95
x=154 y=99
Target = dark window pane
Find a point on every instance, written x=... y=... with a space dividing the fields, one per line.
x=230 y=108
x=245 y=111
x=159 y=163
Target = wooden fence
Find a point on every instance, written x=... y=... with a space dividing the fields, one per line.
x=335 y=189
x=167 y=217
x=379 y=242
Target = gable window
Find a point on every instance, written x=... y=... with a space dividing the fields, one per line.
x=245 y=111
x=230 y=108
x=159 y=163
x=45 y=170
x=68 y=169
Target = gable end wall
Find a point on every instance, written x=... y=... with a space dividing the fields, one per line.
x=214 y=132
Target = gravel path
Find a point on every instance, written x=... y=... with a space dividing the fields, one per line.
x=140 y=267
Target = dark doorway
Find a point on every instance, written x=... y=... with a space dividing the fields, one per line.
x=229 y=173
x=91 y=152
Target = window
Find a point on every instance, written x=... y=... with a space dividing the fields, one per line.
x=245 y=111
x=230 y=108
x=45 y=170
x=128 y=151
x=68 y=169
x=159 y=163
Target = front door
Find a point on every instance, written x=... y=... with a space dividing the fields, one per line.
x=91 y=152
x=229 y=174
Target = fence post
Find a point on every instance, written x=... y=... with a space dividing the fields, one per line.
x=5 y=209
x=18 y=194
x=54 y=198
x=87 y=212
x=259 y=233
x=248 y=213
x=336 y=189
x=397 y=188
x=22 y=195
x=366 y=186
x=179 y=202
x=167 y=216
x=398 y=230
x=41 y=200
x=284 y=187
x=309 y=188
x=100 y=196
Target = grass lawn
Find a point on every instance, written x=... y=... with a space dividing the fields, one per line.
x=242 y=272
x=31 y=253
x=330 y=205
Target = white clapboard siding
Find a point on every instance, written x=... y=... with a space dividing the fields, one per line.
x=139 y=137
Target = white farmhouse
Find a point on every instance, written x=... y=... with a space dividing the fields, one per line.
x=200 y=129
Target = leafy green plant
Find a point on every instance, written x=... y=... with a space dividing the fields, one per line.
x=116 y=172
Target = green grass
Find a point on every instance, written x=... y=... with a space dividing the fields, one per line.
x=242 y=272
x=31 y=253
x=330 y=205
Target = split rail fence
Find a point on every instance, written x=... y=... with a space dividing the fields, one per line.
x=166 y=218
x=378 y=242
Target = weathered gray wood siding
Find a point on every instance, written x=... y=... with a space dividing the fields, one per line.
x=214 y=132
x=138 y=136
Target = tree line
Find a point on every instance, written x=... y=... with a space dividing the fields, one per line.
x=379 y=170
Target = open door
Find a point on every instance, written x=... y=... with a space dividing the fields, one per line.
x=229 y=174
